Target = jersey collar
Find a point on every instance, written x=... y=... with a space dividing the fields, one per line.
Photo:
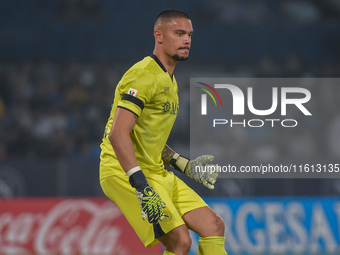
x=160 y=64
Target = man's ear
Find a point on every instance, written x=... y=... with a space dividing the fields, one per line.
x=158 y=36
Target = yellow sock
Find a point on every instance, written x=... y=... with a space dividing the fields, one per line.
x=211 y=245
x=168 y=253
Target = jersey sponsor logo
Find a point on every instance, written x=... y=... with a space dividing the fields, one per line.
x=170 y=107
x=132 y=92
x=166 y=89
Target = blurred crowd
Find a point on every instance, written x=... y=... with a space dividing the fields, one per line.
x=258 y=12
x=53 y=110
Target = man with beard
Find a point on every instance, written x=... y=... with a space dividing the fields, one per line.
x=134 y=150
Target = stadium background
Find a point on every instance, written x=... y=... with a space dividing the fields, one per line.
x=60 y=61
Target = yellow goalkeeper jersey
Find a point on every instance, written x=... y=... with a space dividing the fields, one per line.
x=148 y=91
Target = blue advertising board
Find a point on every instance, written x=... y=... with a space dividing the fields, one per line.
x=278 y=225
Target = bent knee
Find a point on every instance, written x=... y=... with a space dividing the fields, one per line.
x=215 y=227
x=219 y=225
x=184 y=244
x=180 y=242
x=177 y=241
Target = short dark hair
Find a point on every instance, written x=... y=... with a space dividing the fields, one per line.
x=171 y=13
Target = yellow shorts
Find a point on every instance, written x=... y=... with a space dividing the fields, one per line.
x=178 y=197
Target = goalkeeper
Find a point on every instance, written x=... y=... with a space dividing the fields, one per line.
x=134 y=151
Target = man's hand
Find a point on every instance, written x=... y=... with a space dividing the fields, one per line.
x=150 y=202
x=197 y=169
x=202 y=172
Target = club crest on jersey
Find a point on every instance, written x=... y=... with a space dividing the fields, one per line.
x=132 y=92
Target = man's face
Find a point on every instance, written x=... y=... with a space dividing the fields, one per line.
x=177 y=38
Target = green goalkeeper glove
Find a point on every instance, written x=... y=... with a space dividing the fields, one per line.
x=151 y=203
x=197 y=169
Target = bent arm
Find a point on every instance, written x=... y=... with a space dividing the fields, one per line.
x=173 y=159
x=123 y=123
x=167 y=155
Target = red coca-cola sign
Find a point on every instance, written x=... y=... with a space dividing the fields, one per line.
x=67 y=226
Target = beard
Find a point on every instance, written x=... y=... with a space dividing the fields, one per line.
x=178 y=58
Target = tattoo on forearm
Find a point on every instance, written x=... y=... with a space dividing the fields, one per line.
x=167 y=155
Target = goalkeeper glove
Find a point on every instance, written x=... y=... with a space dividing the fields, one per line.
x=197 y=169
x=151 y=203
